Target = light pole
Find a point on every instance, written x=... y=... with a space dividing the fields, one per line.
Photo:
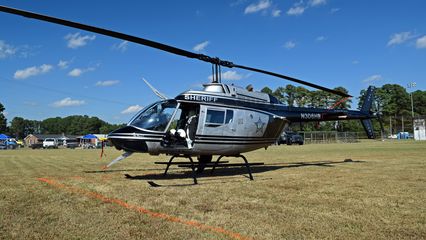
x=411 y=85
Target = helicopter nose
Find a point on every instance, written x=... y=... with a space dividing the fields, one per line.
x=129 y=139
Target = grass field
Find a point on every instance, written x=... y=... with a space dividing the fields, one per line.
x=301 y=192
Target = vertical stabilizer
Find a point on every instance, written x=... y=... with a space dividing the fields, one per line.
x=368 y=100
x=366 y=109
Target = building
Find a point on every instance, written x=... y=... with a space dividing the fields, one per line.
x=39 y=138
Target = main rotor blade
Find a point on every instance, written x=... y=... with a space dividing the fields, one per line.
x=103 y=31
x=294 y=80
x=156 y=45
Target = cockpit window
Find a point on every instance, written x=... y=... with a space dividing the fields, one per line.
x=155 y=117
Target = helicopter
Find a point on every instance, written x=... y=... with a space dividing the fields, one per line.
x=220 y=120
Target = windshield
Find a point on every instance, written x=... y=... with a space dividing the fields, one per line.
x=155 y=117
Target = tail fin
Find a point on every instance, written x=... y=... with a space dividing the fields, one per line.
x=365 y=109
x=368 y=100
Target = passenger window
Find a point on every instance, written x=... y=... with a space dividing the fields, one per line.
x=215 y=118
x=229 y=116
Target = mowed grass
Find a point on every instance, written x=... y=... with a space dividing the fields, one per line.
x=301 y=192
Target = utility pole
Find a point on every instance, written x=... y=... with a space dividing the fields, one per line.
x=412 y=85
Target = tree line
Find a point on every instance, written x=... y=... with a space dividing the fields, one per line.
x=392 y=102
x=71 y=125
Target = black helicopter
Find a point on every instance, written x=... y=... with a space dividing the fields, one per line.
x=221 y=119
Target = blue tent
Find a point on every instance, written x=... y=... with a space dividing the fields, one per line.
x=4 y=137
x=89 y=136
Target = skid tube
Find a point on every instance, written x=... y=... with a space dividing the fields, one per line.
x=182 y=156
x=237 y=156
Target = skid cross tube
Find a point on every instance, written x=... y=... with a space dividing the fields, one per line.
x=237 y=156
x=182 y=156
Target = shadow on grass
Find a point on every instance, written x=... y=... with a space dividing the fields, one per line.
x=224 y=171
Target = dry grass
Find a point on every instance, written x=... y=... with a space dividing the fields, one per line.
x=301 y=192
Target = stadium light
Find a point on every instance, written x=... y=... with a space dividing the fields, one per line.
x=411 y=85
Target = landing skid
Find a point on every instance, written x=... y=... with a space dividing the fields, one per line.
x=237 y=156
x=192 y=165
x=182 y=156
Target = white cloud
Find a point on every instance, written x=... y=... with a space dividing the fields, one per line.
x=276 y=13
x=107 y=83
x=63 y=64
x=256 y=7
x=132 y=109
x=5 y=113
x=314 y=3
x=76 y=72
x=296 y=10
x=290 y=45
x=399 y=38
x=6 y=50
x=68 y=102
x=355 y=62
x=421 y=42
x=334 y=10
x=121 y=46
x=229 y=75
x=321 y=38
x=32 y=71
x=76 y=41
x=201 y=46
x=373 y=78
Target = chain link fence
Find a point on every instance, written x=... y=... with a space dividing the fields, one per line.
x=317 y=137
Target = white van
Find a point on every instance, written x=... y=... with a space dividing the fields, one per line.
x=50 y=143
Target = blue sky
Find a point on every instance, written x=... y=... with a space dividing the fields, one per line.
x=47 y=70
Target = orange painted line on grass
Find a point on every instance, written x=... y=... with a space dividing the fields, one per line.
x=142 y=210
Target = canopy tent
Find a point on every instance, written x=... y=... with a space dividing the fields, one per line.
x=89 y=136
x=4 y=137
x=89 y=141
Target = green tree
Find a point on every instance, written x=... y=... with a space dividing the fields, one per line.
x=266 y=90
x=3 y=120
x=301 y=96
x=419 y=102
x=17 y=127
x=336 y=99
x=290 y=94
x=52 y=126
x=279 y=94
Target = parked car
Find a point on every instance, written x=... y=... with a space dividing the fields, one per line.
x=3 y=145
x=11 y=143
x=71 y=144
x=50 y=143
x=289 y=138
